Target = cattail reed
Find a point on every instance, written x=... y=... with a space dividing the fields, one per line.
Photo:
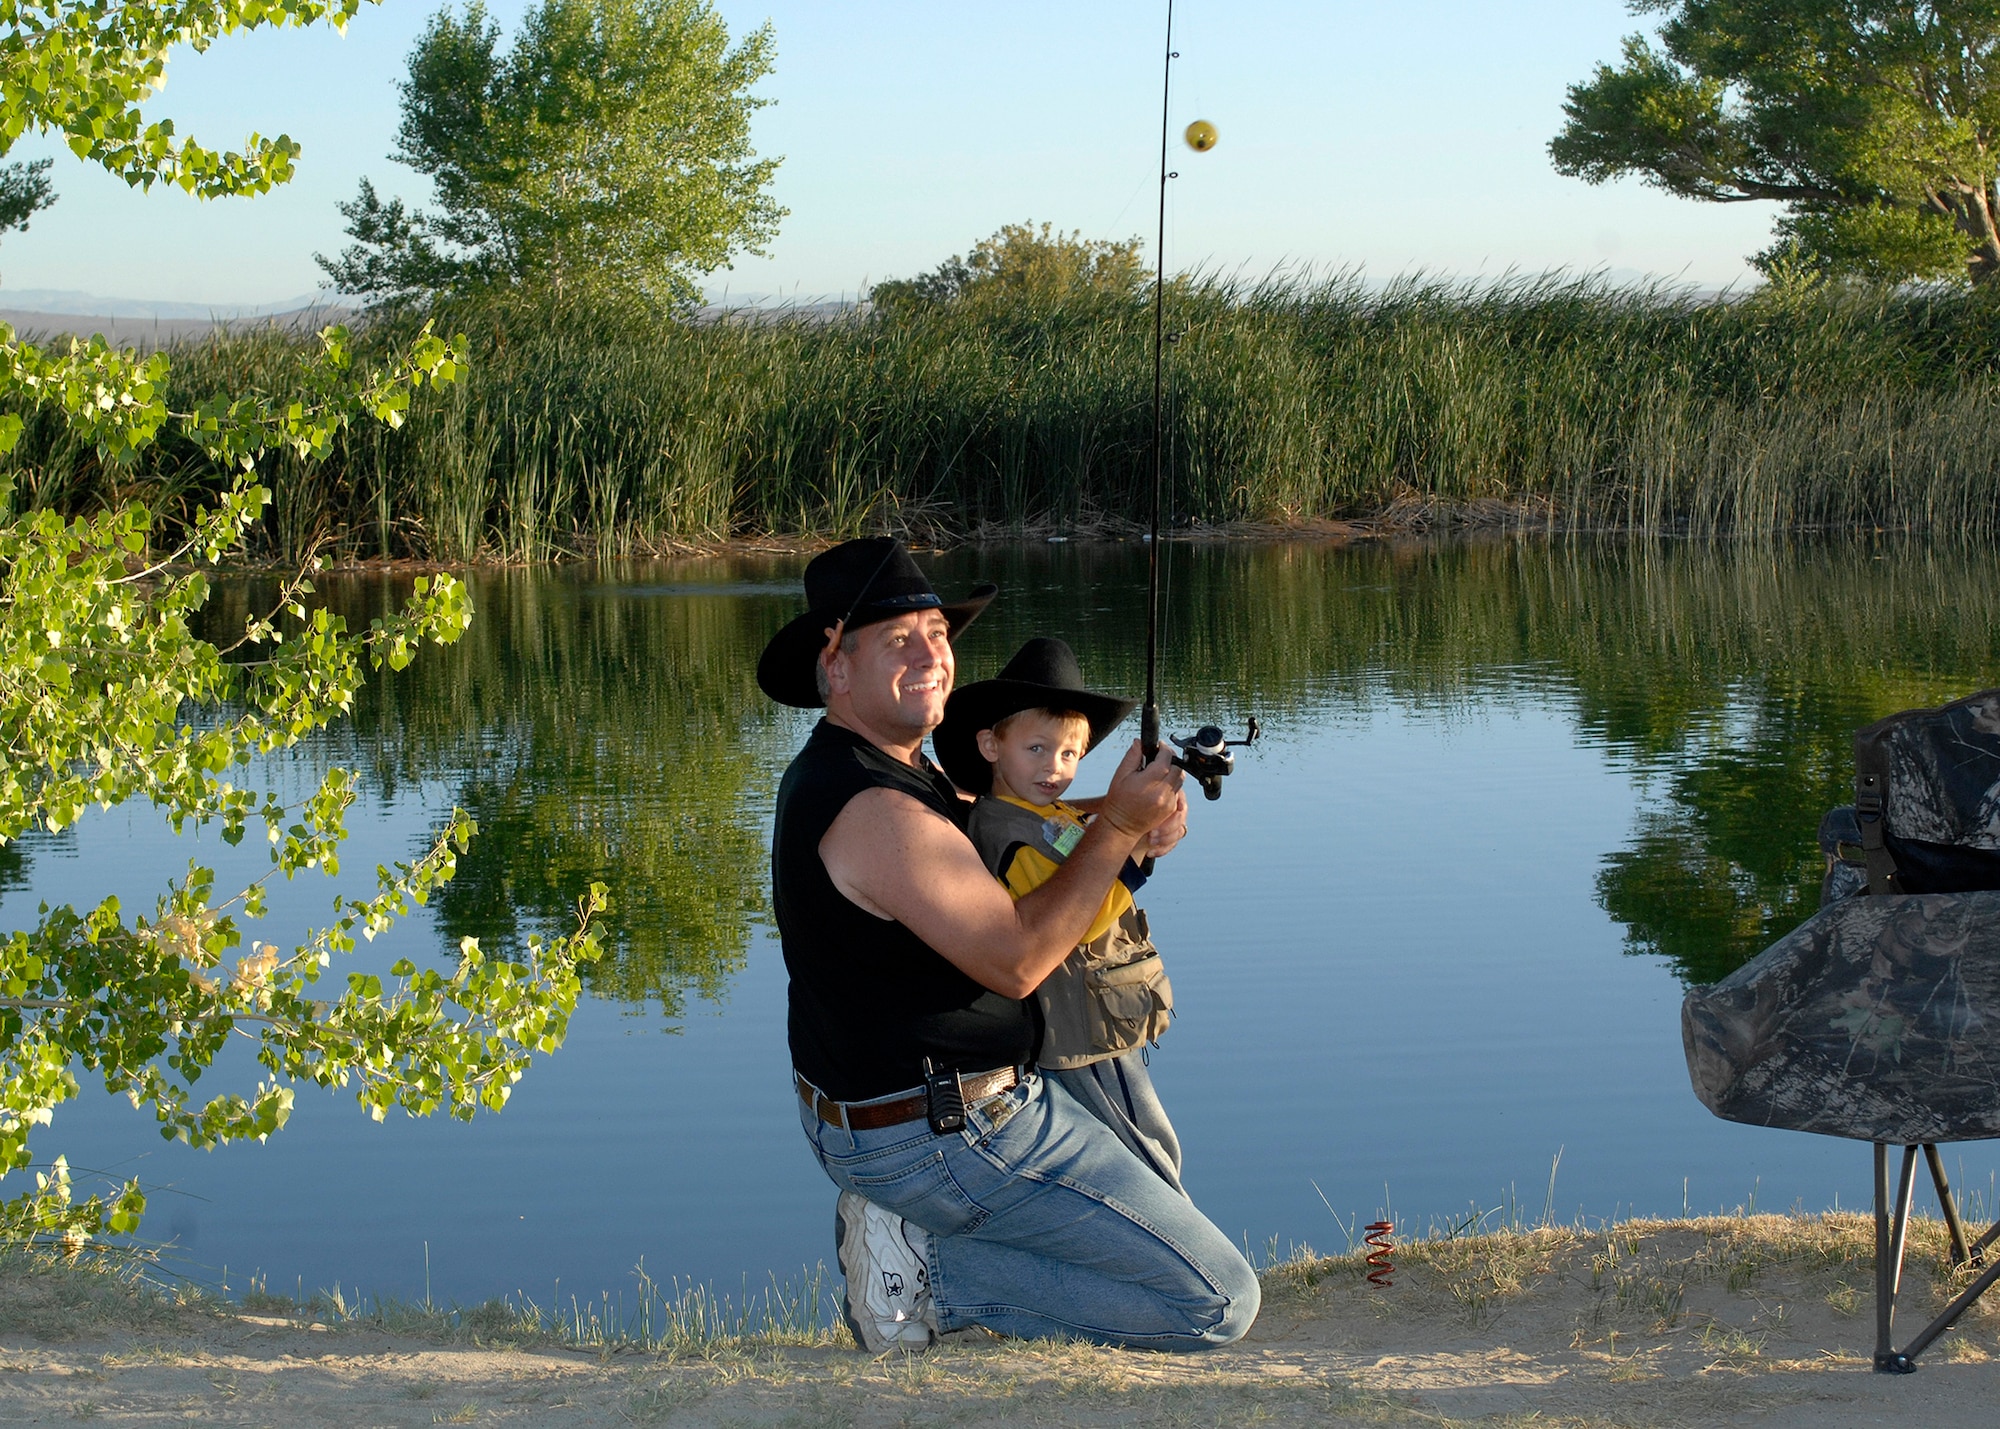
x=594 y=430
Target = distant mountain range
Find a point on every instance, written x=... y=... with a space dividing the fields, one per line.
x=69 y=302
x=42 y=314
x=46 y=314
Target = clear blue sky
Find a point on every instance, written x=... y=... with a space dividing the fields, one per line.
x=1395 y=137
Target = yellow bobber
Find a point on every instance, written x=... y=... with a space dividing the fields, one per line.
x=1201 y=136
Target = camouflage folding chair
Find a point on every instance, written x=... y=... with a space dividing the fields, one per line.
x=1878 y=1018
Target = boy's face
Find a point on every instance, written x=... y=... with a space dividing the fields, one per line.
x=1034 y=757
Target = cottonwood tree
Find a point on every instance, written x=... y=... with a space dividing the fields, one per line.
x=108 y=694
x=1875 y=124
x=1020 y=262
x=24 y=192
x=609 y=146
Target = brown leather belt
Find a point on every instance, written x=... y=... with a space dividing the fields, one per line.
x=872 y=1116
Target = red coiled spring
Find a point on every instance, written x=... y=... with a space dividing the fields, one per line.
x=1379 y=1266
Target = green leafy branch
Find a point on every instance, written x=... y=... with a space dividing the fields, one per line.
x=112 y=396
x=148 y=1007
x=108 y=692
x=83 y=70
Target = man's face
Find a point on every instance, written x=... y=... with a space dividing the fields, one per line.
x=896 y=674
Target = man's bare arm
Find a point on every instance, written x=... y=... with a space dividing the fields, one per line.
x=896 y=858
x=1161 y=840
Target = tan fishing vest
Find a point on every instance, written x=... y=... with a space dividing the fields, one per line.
x=1111 y=994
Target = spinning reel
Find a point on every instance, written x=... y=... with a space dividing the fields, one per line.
x=1205 y=755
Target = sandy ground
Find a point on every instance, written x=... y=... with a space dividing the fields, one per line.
x=1758 y=1321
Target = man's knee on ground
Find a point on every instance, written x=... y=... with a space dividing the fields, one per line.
x=1244 y=1297
x=1228 y=1311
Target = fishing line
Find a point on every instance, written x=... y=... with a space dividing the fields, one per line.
x=1204 y=754
x=1170 y=455
x=1125 y=207
x=1149 y=716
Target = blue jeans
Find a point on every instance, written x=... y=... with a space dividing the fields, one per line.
x=1043 y=1223
x=1118 y=1091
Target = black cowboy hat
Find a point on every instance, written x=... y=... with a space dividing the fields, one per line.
x=859 y=583
x=1043 y=675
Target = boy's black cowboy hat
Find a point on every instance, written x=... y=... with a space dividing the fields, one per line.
x=861 y=583
x=1043 y=675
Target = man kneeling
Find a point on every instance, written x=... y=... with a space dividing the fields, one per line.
x=974 y=1192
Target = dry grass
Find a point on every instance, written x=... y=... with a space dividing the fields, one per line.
x=1649 y=1278
x=57 y=1299
x=1699 y=1321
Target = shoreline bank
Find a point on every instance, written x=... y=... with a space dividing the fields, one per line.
x=1493 y=521
x=1708 y=1320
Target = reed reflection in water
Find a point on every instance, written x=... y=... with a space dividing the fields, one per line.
x=1727 y=678
x=1490 y=769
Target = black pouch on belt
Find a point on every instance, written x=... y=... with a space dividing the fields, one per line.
x=944 y=1100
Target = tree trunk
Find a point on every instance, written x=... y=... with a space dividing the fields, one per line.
x=1976 y=218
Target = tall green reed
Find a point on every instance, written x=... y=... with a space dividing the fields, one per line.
x=590 y=429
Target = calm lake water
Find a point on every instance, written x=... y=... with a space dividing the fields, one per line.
x=1512 y=798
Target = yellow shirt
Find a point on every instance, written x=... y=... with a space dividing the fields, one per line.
x=1030 y=868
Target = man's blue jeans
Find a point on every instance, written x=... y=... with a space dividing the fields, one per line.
x=1043 y=1223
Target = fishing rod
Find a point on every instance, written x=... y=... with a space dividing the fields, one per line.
x=1204 y=754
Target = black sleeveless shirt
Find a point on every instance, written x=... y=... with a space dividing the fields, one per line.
x=869 y=999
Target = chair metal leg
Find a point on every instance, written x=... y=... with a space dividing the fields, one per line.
x=1891 y=1231
x=1950 y=1314
x=1960 y=1255
x=1899 y=1228
x=1889 y=1257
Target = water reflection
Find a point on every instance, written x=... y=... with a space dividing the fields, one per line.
x=596 y=731
x=1490 y=766
x=612 y=729
x=1728 y=677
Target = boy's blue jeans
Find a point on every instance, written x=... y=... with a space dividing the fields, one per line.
x=1118 y=1091
x=1043 y=1223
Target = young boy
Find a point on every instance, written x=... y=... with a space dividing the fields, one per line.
x=1015 y=741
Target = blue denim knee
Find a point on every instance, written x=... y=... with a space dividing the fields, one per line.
x=1044 y=1223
